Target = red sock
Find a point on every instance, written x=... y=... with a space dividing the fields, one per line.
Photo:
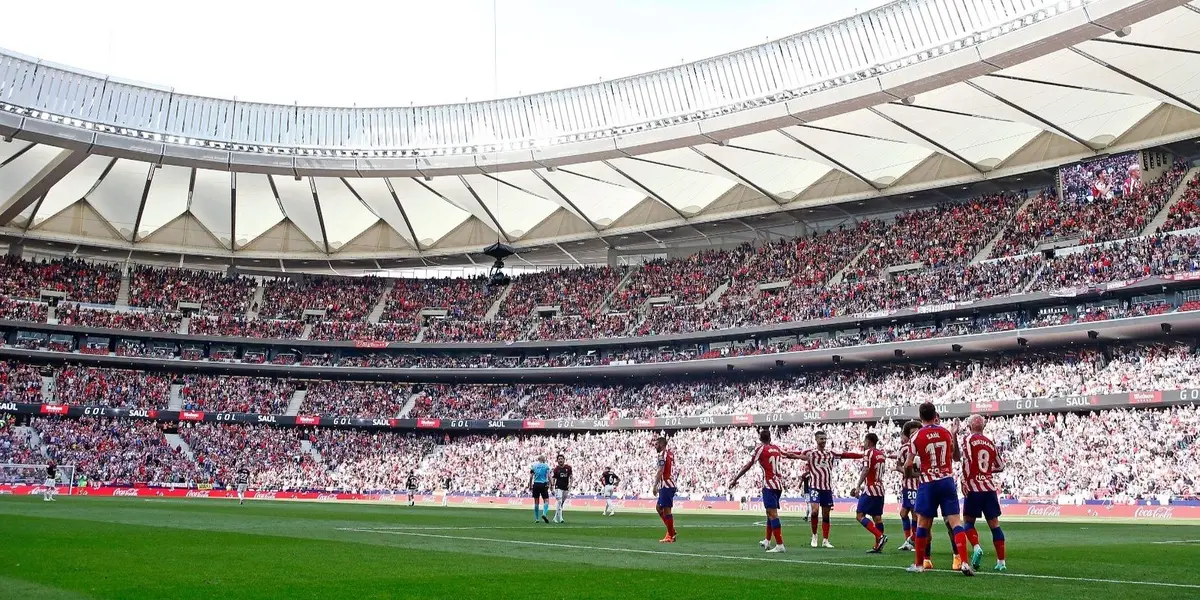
x=670 y=521
x=825 y=529
x=920 y=544
x=960 y=546
x=813 y=521
x=779 y=536
x=973 y=536
x=769 y=529
x=999 y=549
x=870 y=526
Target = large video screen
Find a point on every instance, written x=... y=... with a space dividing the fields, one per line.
x=1102 y=179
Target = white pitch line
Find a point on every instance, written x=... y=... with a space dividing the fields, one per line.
x=564 y=526
x=764 y=559
x=1178 y=542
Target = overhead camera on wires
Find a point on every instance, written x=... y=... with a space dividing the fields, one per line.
x=497 y=277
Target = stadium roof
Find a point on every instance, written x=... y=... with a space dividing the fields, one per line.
x=915 y=95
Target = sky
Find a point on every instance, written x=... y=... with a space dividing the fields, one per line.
x=398 y=53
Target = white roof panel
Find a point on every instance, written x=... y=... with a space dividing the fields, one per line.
x=8 y=149
x=73 y=187
x=119 y=194
x=23 y=169
x=602 y=202
x=1087 y=114
x=298 y=205
x=452 y=190
x=529 y=182
x=168 y=198
x=981 y=141
x=1175 y=72
x=431 y=217
x=780 y=175
x=257 y=209
x=688 y=191
x=211 y=204
x=874 y=159
x=374 y=192
x=345 y=217
x=517 y=211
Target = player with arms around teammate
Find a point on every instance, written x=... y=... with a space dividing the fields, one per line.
x=539 y=482
x=869 y=490
x=981 y=462
x=908 y=486
x=411 y=486
x=242 y=479
x=562 y=486
x=608 y=486
x=821 y=462
x=51 y=482
x=767 y=455
x=664 y=488
x=936 y=449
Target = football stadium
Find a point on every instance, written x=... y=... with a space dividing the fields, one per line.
x=906 y=304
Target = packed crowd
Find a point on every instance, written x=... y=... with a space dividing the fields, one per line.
x=15 y=448
x=129 y=320
x=688 y=280
x=81 y=281
x=1122 y=261
x=804 y=261
x=355 y=398
x=578 y=291
x=359 y=461
x=238 y=326
x=610 y=325
x=216 y=293
x=115 y=451
x=117 y=388
x=466 y=298
x=454 y=330
x=362 y=330
x=1185 y=214
x=237 y=394
x=342 y=299
x=1087 y=217
x=20 y=310
x=274 y=455
x=19 y=382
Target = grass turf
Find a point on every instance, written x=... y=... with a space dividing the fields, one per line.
x=138 y=548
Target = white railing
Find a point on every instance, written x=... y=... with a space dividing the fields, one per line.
x=891 y=37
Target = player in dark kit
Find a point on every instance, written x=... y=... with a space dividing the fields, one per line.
x=411 y=486
x=242 y=479
x=562 y=486
x=446 y=491
x=608 y=486
x=936 y=449
x=51 y=483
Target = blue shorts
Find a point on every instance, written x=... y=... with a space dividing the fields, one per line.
x=666 y=497
x=771 y=498
x=870 y=505
x=981 y=504
x=822 y=498
x=908 y=499
x=937 y=494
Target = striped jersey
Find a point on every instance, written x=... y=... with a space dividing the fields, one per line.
x=875 y=462
x=820 y=467
x=982 y=459
x=906 y=482
x=666 y=463
x=767 y=456
x=934 y=448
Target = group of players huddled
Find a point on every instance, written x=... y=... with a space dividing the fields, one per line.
x=925 y=462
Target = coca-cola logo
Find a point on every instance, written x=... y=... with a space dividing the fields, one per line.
x=743 y=419
x=197 y=495
x=54 y=409
x=1044 y=510
x=125 y=492
x=1156 y=512
x=8 y=406
x=1145 y=397
x=861 y=413
x=533 y=424
x=265 y=495
x=307 y=420
x=429 y=423
x=191 y=415
x=370 y=344
x=985 y=406
x=327 y=497
x=643 y=422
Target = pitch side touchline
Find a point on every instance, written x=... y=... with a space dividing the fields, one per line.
x=1177 y=542
x=764 y=559
x=564 y=526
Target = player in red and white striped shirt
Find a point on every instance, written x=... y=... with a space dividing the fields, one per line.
x=908 y=485
x=767 y=456
x=664 y=486
x=982 y=460
x=869 y=490
x=820 y=467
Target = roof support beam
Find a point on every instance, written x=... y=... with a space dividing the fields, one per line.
x=939 y=147
x=1031 y=115
x=745 y=181
x=554 y=189
x=645 y=190
x=1154 y=46
x=64 y=162
x=835 y=162
x=569 y=255
x=499 y=228
x=1138 y=80
x=312 y=187
x=403 y=213
x=233 y=213
x=137 y=221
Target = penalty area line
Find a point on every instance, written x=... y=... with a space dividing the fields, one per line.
x=765 y=559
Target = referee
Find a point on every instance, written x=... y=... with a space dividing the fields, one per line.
x=539 y=483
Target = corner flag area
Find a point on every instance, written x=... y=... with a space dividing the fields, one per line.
x=190 y=548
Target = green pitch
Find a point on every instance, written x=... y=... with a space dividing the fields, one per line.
x=137 y=548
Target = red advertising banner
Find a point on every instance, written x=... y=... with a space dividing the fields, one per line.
x=191 y=415
x=861 y=413
x=307 y=420
x=743 y=419
x=429 y=423
x=1145 y=397
x=55 y=409
x=533 y=424
x=376 y=344
x=643 y=422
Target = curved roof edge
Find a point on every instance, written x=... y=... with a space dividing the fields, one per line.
x=703 y=98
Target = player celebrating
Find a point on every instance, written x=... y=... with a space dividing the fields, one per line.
x=767 y=456
x=870 y=484
x=562 y=487
x=936 y=449
x=539 y=481
x=820 y=468
x=908 y=486
x=982 y=460
x=608 y=486
x=51 y=482
x=242 y=479
x=664 y=487
x=411 y=485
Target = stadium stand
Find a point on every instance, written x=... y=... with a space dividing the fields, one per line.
x=165 y=288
